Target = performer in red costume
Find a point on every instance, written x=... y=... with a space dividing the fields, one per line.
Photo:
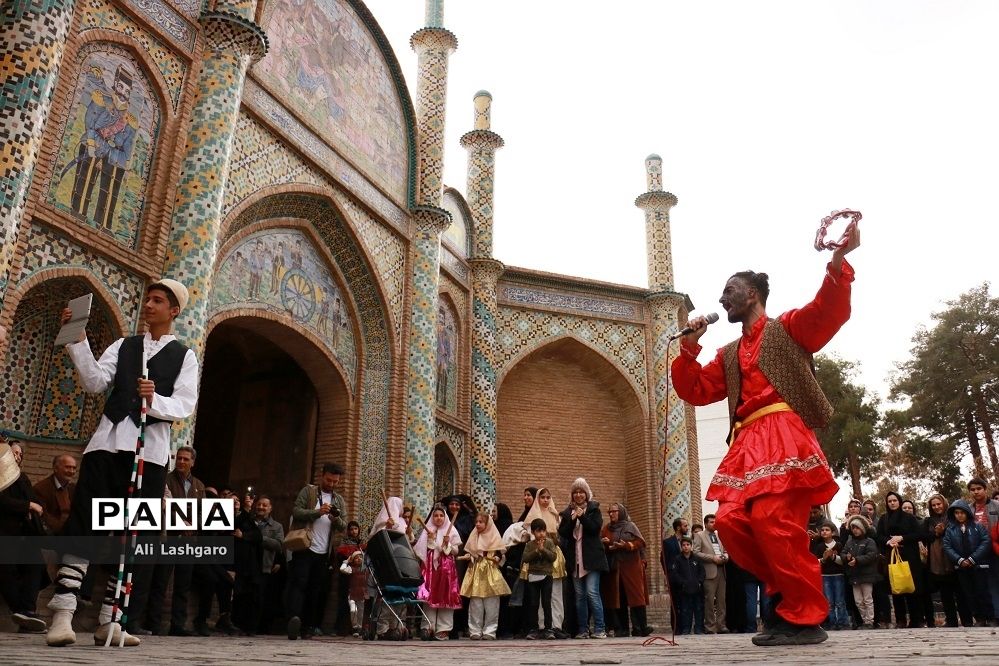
x=774 y=470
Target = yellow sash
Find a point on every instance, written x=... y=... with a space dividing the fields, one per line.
x=758 y=414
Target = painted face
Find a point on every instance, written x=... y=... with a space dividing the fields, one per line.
x=891 y=502
x=437 y=518
x=480 y=524
x=545 y=499
x=737 y=298
x=122 y=90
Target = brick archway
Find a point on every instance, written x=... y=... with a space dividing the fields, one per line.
x=565 y=411
x=274 y=406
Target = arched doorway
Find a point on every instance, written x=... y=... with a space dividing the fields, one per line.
x=272 y=408
x=445 y=471
x=564 y=411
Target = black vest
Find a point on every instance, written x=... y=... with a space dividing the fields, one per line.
x=164 y=367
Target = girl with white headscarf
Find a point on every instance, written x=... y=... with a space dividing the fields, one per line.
x=483 y=583
x=437 y=546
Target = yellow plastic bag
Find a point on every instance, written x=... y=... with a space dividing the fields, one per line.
x=899 y=574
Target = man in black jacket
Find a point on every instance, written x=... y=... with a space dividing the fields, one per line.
x=248 y=565
x=20 y=516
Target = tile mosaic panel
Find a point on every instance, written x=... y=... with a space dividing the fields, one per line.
x=108 y=143
x=48 y=250
x=169 y=19
x=30 y=65
x=326 y=65
x=279 y=270
x=387 y=251
x=446 y=432
x=521 y=295
x=374 y=393
x=453 y=264
x=521 y=331
x=481 y=146
x=295 y=132
x=260 y=160
x=103 y=14
x=42 y=395
x=447 y=358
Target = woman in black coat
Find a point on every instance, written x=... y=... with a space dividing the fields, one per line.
x=579 y=531
x=896 y=527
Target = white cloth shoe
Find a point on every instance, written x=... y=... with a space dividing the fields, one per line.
x=61 y=630
x=101 y=635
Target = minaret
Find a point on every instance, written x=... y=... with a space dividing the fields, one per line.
x=482 y=144
x=33 y=42
x=233 y=42
x=434 y=45
x=681 y=487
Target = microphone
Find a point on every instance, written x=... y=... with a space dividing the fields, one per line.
x=710 y=318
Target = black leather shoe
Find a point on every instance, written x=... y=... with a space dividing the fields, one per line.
x=136 y=630
x=180 y=631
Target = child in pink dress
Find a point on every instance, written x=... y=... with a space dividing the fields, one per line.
x=436 y=547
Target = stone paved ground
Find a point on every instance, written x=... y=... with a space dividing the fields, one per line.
x=917 y=646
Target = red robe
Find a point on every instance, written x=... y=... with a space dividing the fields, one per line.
x=778 y=452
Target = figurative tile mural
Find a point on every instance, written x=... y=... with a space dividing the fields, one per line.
x=108 y=144
x=103 y=14
x=56 y=406
x=457 y=234
x=279 y=270
x=49 y=250
x=447 y=359
x=325 y=65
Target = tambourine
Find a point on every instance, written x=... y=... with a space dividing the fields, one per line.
x=820 y=236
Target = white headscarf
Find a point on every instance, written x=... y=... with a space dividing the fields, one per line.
x=439 y=533
x=479 y=543
x=395 y=509
x=549 y=515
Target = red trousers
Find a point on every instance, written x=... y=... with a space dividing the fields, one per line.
x=767 y=538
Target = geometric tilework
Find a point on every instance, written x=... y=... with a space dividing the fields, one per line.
x=485 y=274
x=167 y=18
x=481 y=146
x=34 y=36
x=658 y=245
x=387 y=251
x=445 y=472
x=521 y=331
x=47 y=249
x=454 y=438
x=259 y=160
x=41 y=395
x=671 y=412
x=433 y=46
x=103 y=14
x=377 y=361
x=421 y=403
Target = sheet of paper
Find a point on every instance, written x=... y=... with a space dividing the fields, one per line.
x=70 y=332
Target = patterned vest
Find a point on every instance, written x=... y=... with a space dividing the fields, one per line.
x=788 y=368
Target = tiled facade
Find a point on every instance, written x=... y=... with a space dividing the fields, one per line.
x=343 y=232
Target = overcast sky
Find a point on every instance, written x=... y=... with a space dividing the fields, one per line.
x=768 y=115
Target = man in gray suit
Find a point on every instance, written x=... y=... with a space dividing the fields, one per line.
x=710 y=551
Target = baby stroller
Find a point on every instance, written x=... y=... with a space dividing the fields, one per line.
x=394 y=573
